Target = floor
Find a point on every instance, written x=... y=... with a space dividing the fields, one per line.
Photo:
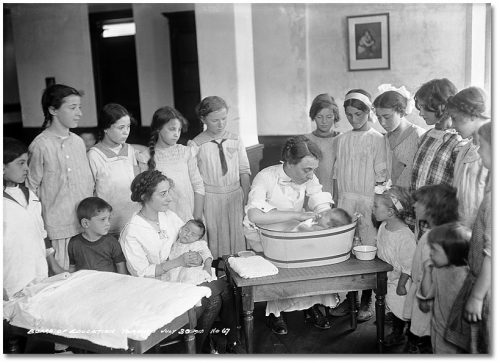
x=307 y=339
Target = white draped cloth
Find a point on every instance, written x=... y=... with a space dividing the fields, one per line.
x=105 y=308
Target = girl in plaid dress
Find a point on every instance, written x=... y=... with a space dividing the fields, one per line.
x=438 y=148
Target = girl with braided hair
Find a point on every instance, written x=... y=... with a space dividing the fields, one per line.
x=114 y=165
x=176 y=161
x=467 y=111
x=59 y=172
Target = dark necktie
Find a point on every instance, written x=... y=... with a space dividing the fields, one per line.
x=223 y=162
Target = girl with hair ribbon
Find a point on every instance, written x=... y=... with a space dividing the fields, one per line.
x=359 y=165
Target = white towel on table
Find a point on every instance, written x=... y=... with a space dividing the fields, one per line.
x=105 y=308
x=253 y=266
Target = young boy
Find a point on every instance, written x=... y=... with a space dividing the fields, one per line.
x=190 y=240
x=25 y=255
x=94 y=249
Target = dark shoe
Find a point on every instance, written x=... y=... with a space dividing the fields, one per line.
x=235 y=348
x=341 y=309
x=425 y=345
x=394 y=339
x=412 y=348
x=277 y=324
x=313 y=315
x=365 y=313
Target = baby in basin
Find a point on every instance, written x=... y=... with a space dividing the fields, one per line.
x=326 y=216
x=334 y=217
x=190 y=240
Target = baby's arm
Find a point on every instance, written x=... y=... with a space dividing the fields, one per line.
x=207 y=257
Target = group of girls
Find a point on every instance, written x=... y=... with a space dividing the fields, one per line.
x=211 y=179
x=440 y=284
x=211 y=175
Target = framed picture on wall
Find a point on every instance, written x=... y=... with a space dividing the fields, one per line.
x=368 y=37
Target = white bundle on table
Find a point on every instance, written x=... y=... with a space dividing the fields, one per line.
x=251 y=267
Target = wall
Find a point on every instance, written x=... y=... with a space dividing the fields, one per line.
x=154 y=66
x=427 y=41
x=52 y=40
x=225 y=58
x=280 y=68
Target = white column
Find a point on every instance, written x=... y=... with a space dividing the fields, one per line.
x=225 y=58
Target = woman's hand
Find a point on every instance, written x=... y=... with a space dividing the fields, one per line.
x=304 y=216
x=473 y=309
x=190 y=259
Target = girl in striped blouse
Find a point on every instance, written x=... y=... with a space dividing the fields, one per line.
x=59 y=171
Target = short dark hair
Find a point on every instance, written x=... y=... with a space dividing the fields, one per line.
x=298 y=147
x=53 y=96
x=403 y=196
x=454 y=238
x=441 y=202
x=393 y=100
x=339 y=217
x=90 y=207
x=144 y=185
x=12 y=149
x=109 y=114
x=321 y=102
x=198 y=223
x=434 y=95
x=208 y=105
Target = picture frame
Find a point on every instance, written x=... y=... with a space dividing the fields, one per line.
x=368 y=42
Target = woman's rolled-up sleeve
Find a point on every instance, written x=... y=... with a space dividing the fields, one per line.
x=257 y=198
x=313 y=186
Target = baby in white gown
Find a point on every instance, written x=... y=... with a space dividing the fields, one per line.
x=190 y=240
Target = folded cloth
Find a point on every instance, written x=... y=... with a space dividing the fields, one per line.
x=253 y=266
x=105 y=308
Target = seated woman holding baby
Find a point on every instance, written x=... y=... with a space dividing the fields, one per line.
x=147 y=241
x=278 y=196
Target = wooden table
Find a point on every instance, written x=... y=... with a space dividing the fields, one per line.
x=349 y=275
x=186 y=320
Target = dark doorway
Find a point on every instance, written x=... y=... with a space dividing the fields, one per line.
x=185 y=73
x=114 y=62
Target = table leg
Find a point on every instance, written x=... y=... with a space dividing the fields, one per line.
x=247 y=303
x=353 y=297
x=190 y=339
x=380 y=293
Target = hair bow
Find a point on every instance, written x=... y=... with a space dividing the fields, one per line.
x=410 y=104
x=386 y=187
x=381 y=188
